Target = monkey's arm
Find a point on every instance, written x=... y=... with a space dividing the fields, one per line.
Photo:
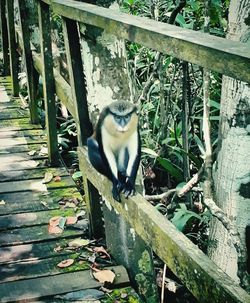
x=96 y=158
x=134 y=153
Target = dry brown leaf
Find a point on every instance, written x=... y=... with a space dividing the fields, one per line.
x=101 y=249
x=71 y=220
x=105 y=275
x=54 y=230
x=65 y=263
x=47 y=177
x=54 y=221
x=57 y=179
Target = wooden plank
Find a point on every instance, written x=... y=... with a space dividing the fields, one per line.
x=4 y=38
x=32 y=75
x=77 y=80
x=35 y=185
x=31 y=269
x=11 y=104
x=31 y=219
x=33 y=251
x=17 y=124
x=222 y=55
x=14 y=158
x=197 y=272
x=15 y=113
x=48 y=286
x=12 y=47
x=28 y=201
x=36 y=173
x=22 y=165
x=33 y=234
x=21 y=133
x=48 y=82
x=12 y=142
x=21 y=148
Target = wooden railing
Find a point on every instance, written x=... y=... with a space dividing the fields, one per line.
x=141 y=227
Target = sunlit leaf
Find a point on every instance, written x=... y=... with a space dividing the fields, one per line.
x=47 y=177
x=105 y=275
x=65 y=263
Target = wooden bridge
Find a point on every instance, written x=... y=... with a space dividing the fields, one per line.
x=133 y=229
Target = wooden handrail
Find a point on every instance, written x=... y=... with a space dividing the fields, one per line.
x=198 y=273
x=201 y=276
x=224 y=56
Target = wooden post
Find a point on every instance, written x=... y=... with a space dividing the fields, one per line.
x=132 y=252
x=75 y=66
x=31 y=73
x=93 y=199
x=48 y=82
x=12 y=48
x=4 y=38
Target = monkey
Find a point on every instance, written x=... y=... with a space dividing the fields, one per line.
x=114 y=149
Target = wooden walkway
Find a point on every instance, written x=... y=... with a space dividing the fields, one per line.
x=28 y=258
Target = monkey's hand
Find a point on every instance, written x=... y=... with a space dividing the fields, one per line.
x=128 y=187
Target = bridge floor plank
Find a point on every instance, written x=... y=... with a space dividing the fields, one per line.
x=28 y=255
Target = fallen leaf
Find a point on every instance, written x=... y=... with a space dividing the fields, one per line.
x=105 y=275
x=54 y=230
x=44 y=203
x=43 y=151
x=32 y=152
x=101 y=249
x=54 y=221
x=65 y=263
x=71 y=220
x=2 y=202
x=70 y=205
x=78 y=242
x=47 y=177
x=58 y=249
x=57 y=179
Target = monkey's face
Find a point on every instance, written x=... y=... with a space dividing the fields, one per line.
x=121 y=125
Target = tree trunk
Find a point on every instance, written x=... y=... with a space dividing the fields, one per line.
x=232 y=172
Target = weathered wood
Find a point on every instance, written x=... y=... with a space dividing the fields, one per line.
x=4 y=38
x=22 y=165
x=31 y=269
x=33 y=234
x=21 y=133
x=12 y=142
x=92 y=199
x=31 y=74
x=48 y=286
x=35 y=185
x=48 y=82
x=16 y=113
x=17 y=124
x=63 y=89
x=12 y=47
x=214 y=53
x=131 y=251
x=26 y=174
x=30 y=219
x=77 y=81
x=34 y=251
x=21 y=148
x=192 y=267
x=27 y=201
